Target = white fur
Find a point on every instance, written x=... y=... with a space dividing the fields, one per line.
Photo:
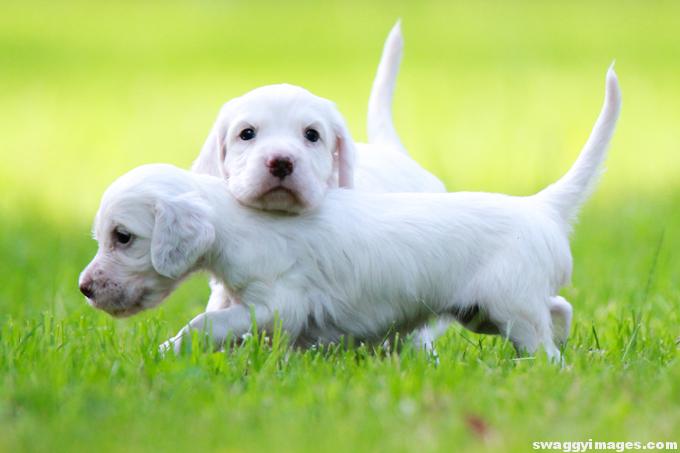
x=362 y=265
x=380 y=126
x=280 y=114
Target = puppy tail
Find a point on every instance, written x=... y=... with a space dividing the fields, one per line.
x=380 y=127
x=573 y=189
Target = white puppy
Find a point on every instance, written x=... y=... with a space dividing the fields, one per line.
x=362 y=265
x=281 y=148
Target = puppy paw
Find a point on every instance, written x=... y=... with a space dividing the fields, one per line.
x=165 y=347
x=174 y=344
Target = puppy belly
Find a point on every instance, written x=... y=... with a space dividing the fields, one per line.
x=475 y=319
x=327 y=331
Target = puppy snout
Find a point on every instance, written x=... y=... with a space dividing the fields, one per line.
x=86 y=288
x=280 y=167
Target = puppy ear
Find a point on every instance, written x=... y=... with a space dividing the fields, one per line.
x=210 y=161
x=181 y=235
x=345 y=151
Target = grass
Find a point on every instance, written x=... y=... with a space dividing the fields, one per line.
x=492 y=96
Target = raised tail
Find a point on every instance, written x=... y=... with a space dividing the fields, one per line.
x=380 y=127
x=573 y=189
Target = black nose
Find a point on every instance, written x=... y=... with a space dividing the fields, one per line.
x=280 y=167
x=86 y=289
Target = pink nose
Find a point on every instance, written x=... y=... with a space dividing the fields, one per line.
x=280 y=167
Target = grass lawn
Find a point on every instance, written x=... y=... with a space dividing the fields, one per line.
x=494 y=96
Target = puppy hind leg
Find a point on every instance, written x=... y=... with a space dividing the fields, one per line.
x=552 y=351
x=561 y=314
x=530 y=331
x=547 y=335
x=423 y=339
x=219 y=296
x=522 y=334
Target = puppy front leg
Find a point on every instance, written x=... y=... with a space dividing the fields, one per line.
x=219 y=296
x=218 y=325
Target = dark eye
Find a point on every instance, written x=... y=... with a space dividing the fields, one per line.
x=247 y=134
x=312 y=135
x=122 y=236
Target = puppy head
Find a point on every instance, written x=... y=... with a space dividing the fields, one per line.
x=280 y=149
x=152 y=229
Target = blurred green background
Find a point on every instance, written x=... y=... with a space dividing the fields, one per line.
x=492 y=95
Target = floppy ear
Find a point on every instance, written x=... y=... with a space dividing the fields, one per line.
x=181 y=235
x=344 y=153
x=210 y=161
